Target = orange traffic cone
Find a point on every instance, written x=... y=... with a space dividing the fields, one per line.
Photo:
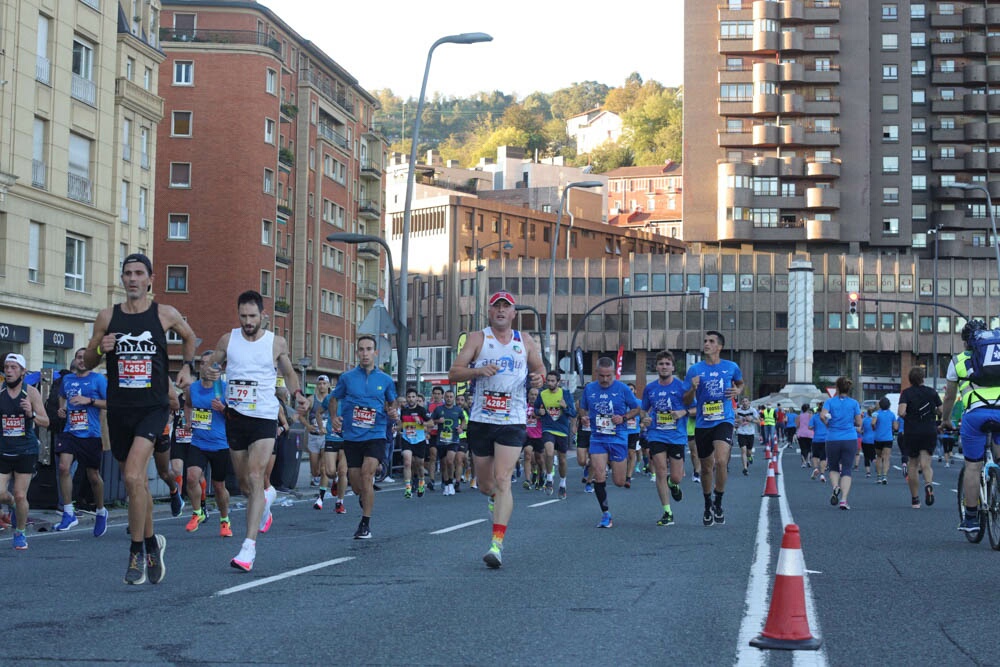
x=767 y=452
x=774 y=464
x=771 y=486
x=787 y=626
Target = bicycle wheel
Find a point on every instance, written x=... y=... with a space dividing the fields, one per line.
x=977 y=536
x=382 y=472
x=993 y=508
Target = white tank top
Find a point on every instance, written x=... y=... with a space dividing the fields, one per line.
x=500 y=399
x=251 y=376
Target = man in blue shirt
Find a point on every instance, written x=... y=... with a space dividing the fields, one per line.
x=666 y=431
x=369 y=401
x=608 y=405
x=715 y=383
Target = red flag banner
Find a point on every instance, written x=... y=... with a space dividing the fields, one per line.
x=621 y=355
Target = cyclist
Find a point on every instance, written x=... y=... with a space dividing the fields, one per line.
x=981 y=418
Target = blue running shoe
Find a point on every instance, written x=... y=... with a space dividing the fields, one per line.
x=605 y=521
x=589 y=488
x=101 y=524
x=20 y=540
x=68 y=521
x=176 y=503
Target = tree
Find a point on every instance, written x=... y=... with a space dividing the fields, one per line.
x=611 y=155
x=568 y=102
x=652 y=128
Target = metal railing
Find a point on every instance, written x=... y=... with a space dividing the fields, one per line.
x=325 y=86
x=127 y=152
x=38 y=174
x=43 y=70
x=332 y=135
x=84 y=90
x=79 y=188
x=221 y=37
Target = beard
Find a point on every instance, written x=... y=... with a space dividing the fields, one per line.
x=251 y=329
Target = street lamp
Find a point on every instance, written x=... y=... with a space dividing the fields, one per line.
x=989 y=207
x=304 y=363
x=403 y=338
x=934 y=353
x=418 y=363
x=552 y=264
x=507 y=245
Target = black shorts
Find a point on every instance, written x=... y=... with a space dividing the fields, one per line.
x=948 y=443
x=332 y=446
x=745 y=440
x=482 y=437
x=705 y=438
x=536 y=444
x=883 y=444
x=805 y=445
x=583 y=439
x=19 y=464
x=218 y=460
x=560 y=442
x=672 y=451
x=86 y=450
x=920 y=442
x=162 y=443
x=633 y=440
x=359 y=450
x=462 y=446
x=242 y=431
x=127 y=424
x=419 y=449
x=179 y=450
x=819 y=450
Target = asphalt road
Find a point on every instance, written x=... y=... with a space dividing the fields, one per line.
x=888 y=584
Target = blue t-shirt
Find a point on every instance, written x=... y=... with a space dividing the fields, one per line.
x=840 y=426
x=448 y=430
x=555 y=418
x=818 y=428
x=714 y=407
x=658 y=401
x=884 y=419
x=364 y=395
x=208 y=427
x=867 y=434
x=331 y=435
x=84 y=421
x=601 y=404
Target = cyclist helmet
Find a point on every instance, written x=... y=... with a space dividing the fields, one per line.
x=971 y=327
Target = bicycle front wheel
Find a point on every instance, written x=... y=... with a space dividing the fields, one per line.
x=993 y=508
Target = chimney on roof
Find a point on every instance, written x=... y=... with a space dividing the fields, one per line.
x=433 y=157
x=668 y=164
x=454 y=164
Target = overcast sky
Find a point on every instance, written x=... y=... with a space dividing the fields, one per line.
x=541 y=45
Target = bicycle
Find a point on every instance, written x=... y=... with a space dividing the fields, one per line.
x=989 y=501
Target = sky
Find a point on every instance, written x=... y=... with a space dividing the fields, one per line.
x=538 y=45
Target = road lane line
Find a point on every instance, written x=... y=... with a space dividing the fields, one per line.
x=755 y=603
x=545 y=502
x=458 y=527
x=284 y=575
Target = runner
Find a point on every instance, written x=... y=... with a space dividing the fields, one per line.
x=555 y=405
x=883 y=425
x=634 y=431
x=663 y=405
x=583 y=448
x=413 y=430
x=608 y=405
x=791 y=426
x=804 y=434
x=450 y=420
x=253 y=357
x=431 y=462
x=534 y=448
x=132 y=336
x=366 y=402
x=209 y=447
x=919 y=407
x=22 y=412
x=715 y=382
x=868 y=440
x=316 y=439
x=462 y=449
x=82 y=396
x=842 y=417
x=335 y=458
x=693 y=453
x=499 y=360
x=818 y=427
x=746 y=431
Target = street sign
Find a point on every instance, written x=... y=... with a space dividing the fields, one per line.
x=832 y=391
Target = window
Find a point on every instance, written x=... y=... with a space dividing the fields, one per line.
x=765 y=186
x=147 y=78
x=76 y=263
x=918 y=182
x=906 y=321
x=890 y=164
x=823 y=125
x=34 y=252
x=919 y=211
x=266 y=232
x=180 y=123
x=144 y=147
x=735 y=29
x=890 y=103
x=888 y=321
x=947 y=122
x=180 y=174
x=177 y=278
x=833 y=321
x=265 y=283
x=268 y=131
x=947 y=152
x=734 y=64
x=918 y=39
x=890 y=41
x=123 y=213
x=918 y=96
x=918 y=126
x=183 y=73
x=890 y=72
x=141 y=220
x=889 y=11
x=822 y=64
x=39 y=148
x=919 y=153
x=78 y=185
x=821 y=32
x=918 y=11
x=822 y=94
x=890 y=133
x=271 y=82
x=178 y=226
x=890 y=195
x=269 y=181
x=736 y=92
x=890 y=226
x=83 y=59
x=918 y=67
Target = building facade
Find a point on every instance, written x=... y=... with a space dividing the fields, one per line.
x=268 y=147
x=78 y=114
x=647 y=197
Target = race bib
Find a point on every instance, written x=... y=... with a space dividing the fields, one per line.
x=532 y=422
x=13 y=426
x=135 y=373
x=712 y=411
x=78 y=420
x=496 y=402
x=665 y=421
x=183 y=435
x=605 y=425
x=446 y=436
x=201 y=419
x=242 y=394
x=363 y=417
x=632 y=423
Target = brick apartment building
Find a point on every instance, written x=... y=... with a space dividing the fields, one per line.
x=647 y=197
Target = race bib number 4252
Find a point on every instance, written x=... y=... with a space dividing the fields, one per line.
x=135 y=373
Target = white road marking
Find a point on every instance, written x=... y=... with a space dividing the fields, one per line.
x=458 y=527
x=756 y=597
x=545 y=502
x=285 y=575
x=813 y=572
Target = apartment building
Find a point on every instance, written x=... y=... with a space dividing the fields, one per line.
x=593 y=128
x=78 y=114
x=647 y=197
x=267 y=147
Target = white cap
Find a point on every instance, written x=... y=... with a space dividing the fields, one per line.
x=16 y=357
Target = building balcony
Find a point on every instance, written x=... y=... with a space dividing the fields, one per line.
x=954 y=77
x=239 y=37
x=765 y=73
x=949 y=219
x=946 y=20
x=39 y=171
x=975 y=131
x=947 y=135
x=823 y=76
x=947 y=106
x=84 y=90
x=793 y=167
x=283 y=255
x=286 y=157
x=972 y=103
x=793 y=135
x=951 y=48
x=329 y=90
x=371 y=169
x=736 y=47
x=829 y=107
x=993 y=161
x=793 y=11
x=945 y=193
x=946 y=164
x=793 y=72
x=79 y=188
x=766 y=136
x=739 y=139
x=822 y=45
x=735 y=108
x=735 y=230
x=766 y=10
x=993 y=46
x=766 y=42
x=993 y=15
x=785 y=202
x=792 y=41
x=766 y=105
x=824 y=170
x=734 y=75
x=138 y=99
x=766 y=166
x=822 y=198
x=822 y=13
x=792 y=104
x=367 y=289
x=831 y=138
x=333 y=136
x=43 y=70
x=974 y=161
x=974 y=45
x=822 y=230
x=282 y=307
x=972 y=17
x=369 y=208
x=371 y=250
x=737 y=197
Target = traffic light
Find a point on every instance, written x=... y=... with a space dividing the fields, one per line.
x=853 y=296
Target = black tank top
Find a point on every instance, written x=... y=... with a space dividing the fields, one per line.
x=18 y=435
x=137 y=367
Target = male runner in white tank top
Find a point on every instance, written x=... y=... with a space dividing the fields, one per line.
x=500 y=362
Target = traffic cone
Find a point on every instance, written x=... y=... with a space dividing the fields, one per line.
x=767 y=452
x=771 y=486
x=774 y=464
x=787 y=625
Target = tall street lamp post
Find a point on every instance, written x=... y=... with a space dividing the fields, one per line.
x=403 y=339
x=507 y=245
x=552 y=263
x=304 y=364
x=989 y=208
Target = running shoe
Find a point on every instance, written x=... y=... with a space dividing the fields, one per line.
x=718 y=514
x=562 y=493
x=835 y=497
x=389 y=480
x=314 y=481
x=20 y=540
x=473 y=484
x=494 y=557
x=708 y=518
x=349 y=493
x=822 y=479
x=318 y=503
x=970 y=524
x=750 y=458
x=814 y=473
x=225 y=530
x=885 y=479
x=136 y=572
x=745 y=472
x=803 y=465
x=915 y=503
x=266 y=522
x=340 y=509
x=489 y=507
x=363 y=532
x=696 y=478
x=421 y=487
x=628 y=482
x=458 y=487
x=929 y=495
x=245 y=558
x=844 y=505
x=667 y=519
x=589 y=488
x=868 y=474
x=408 y=492
x=652 y=477
x=156 y=568
x=176 y=503
x=68 y=521
x=526 y=485
x=197 y=518
x=606 y=521
x=906 y=470
x=549 y=488
x=675 y=491
x=100 y=523
x=430 y=484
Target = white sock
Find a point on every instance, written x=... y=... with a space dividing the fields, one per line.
x=250 y=544
x=562 y=483
x=103 y=511
x=548 y=478
x=69 y=509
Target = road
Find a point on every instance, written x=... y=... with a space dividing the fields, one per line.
x=888 y=584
